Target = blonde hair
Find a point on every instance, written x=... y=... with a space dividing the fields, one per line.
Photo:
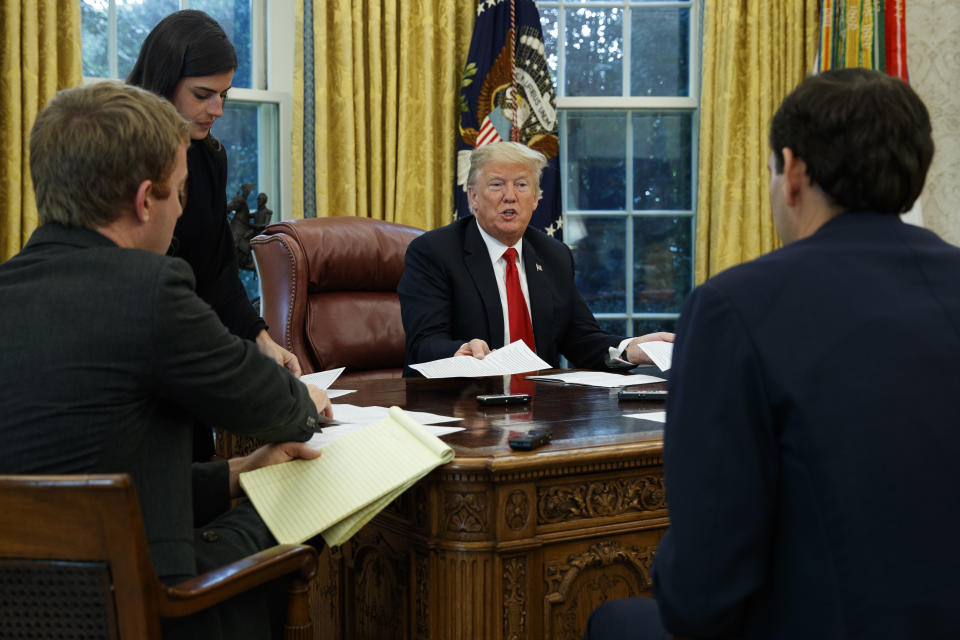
x=513 y=152
x=92 y=147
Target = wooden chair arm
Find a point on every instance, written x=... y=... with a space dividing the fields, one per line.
x=218 y=585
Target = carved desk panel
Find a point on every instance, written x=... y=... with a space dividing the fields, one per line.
x=499 y=544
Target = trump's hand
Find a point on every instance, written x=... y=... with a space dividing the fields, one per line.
x=636 y=355
x=476 y=348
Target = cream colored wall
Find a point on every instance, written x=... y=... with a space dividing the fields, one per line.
x=933 y=61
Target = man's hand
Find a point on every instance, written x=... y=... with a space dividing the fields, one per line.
x=636 y=355
x=266 y=456
x=321 y=400
x=476 y=348
x=277 y=353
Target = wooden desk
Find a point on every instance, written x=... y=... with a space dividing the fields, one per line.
x=499 y=544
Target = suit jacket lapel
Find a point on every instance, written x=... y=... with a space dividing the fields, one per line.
x=541 y=304
x=477 y=259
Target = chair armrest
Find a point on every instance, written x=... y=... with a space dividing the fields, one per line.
x=218 y=585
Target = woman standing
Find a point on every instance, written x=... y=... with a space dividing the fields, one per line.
x=188 y=60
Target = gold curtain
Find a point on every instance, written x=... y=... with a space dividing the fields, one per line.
x=375 y=114
x=39 y=55
x=754 y=53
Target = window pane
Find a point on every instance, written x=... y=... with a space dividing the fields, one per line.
x=550 y=26
x=134 y=22
x=594 y=52
x=662 y=161
x=614 y=326
x=596 y=161
x=94 y=38
x=659 y=51
x=662 y=261
x=238 y=130
x=599 y=252
x=234 y=17
x=642 y=327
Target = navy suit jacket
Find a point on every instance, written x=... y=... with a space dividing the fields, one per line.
x=812 y=442
x=448 y=296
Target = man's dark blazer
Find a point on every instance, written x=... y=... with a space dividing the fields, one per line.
x=448 y=296
x=812 y=444
x=108 y=362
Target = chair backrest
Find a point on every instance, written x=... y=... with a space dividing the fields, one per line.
x=73 y=559
x=329 y=292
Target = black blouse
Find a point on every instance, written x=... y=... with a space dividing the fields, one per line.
x=202 y=237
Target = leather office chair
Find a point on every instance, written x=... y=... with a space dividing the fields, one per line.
x=329 y=292
x=74 y=564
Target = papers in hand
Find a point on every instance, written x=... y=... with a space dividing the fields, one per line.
x=660 y=352
x=350 y=418
x=324 y=379
x=355 y=478
x=513 y=358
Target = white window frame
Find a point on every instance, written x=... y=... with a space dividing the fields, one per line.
x=272 y=76
x=632 y=105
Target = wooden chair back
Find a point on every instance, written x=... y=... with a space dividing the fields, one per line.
x=74 y=563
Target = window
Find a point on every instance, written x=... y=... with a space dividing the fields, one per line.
x=627 y=76
x=256 y=123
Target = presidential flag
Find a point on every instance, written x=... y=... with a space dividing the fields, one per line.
x=506 y=93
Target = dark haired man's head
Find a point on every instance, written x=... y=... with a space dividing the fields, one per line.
x=864 y=136
x=185 y=44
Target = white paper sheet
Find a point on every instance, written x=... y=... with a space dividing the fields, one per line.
x=598 y=379
x=655 y=416
x=322 y=379
x=336 y=393
x=352 y=418
x=350 y=413
x=660 y=352
x=511 y=359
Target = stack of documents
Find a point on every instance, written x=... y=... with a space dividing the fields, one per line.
x=355 y=478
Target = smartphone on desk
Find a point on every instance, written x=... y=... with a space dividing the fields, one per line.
x=639 y=394
x=530 y=440
x=500 y=399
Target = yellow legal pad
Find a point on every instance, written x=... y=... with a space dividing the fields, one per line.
x=339 y=492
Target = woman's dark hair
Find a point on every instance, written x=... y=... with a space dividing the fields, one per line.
x=185 y=44
x=864 y=136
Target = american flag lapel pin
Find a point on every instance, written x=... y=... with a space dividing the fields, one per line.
x=539 y=268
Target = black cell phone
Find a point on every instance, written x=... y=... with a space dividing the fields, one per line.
x=530 y=440
x=503 y=398
x=636 y=394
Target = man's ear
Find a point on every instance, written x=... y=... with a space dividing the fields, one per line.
x=795 y=177
x=143 y=202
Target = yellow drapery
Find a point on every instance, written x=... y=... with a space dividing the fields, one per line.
x=380 y=128
x=39 y=55
x=754 y=53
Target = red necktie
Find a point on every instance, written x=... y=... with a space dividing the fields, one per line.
x=520 y=327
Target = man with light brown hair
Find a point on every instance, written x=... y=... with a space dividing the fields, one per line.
x=110 y=360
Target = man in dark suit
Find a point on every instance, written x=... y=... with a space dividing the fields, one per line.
x=110 y=360
x=455 y=292
x=811 y=442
